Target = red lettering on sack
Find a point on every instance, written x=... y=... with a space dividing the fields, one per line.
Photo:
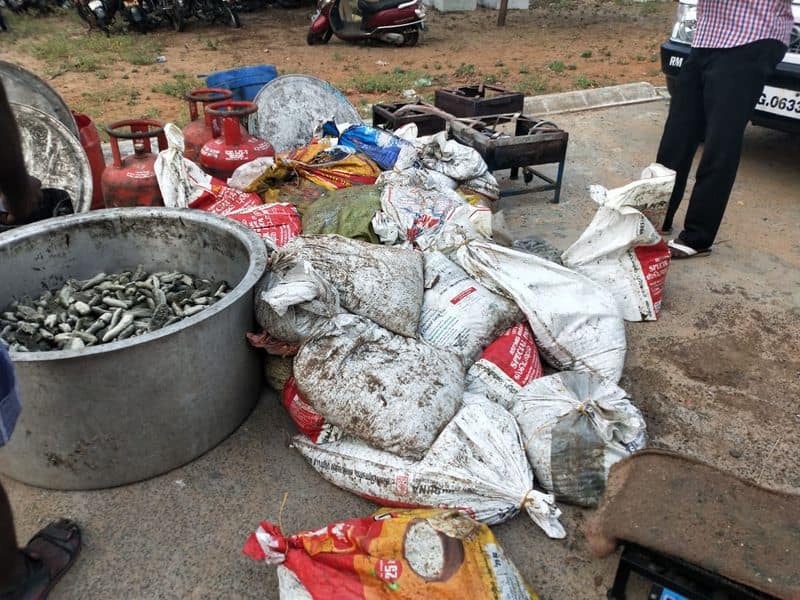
x=654 y=262
x=401 y=485
x=463 y=295
x=388 y=570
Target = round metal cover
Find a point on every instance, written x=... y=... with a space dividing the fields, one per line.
x=291 y=107
x=23 y=87
x=54 y=155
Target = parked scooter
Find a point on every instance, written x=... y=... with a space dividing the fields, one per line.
x=397 y=22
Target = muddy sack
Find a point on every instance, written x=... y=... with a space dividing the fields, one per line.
x=308 y=421
x=476 y=465
x=383 y=284
x=413 y=553
x=393 y=392
x=621 y=249
x=506 y=366
x=574 y=427
x=458 y=313
x=291 y=298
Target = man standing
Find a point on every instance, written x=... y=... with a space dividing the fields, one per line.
x=30 y=572
x=737 y=45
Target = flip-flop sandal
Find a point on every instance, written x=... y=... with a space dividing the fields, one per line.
x=679 y=250
x=49 y=554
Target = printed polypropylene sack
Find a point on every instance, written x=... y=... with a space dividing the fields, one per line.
x=476 y=465
x=415 y=210
x=279 y=222
x=435 y=554
x=575 y=426
x=458 y=313
x=292 y=298
x=308 y=421
x=576 y=322
x=381 y=283
x=506 y=366
x=621 y=249
x=451 y=158
x=394 y=392
x=223 y=200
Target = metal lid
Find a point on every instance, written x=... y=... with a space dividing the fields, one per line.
x=291 y=107
x=53 y=155
x=23 y=87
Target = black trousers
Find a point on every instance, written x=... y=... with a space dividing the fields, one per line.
x=717 y=90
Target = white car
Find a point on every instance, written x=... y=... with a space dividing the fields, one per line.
x=779 y=105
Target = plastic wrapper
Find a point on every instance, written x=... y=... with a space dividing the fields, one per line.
x=334 y=167
x=394 y=392
x=385 y=149
x=621 y=249
x=476 y=465
x=575 y=426
x=405 y=554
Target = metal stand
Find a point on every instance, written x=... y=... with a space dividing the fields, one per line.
x=528 y=173
x=675 y=578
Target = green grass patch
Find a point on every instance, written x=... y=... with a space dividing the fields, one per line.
x=583 y=82
x=557 y=66
x=465 y=69
x=396 y=80
x=586 y=54
x=178 y=86
x=83 y=52
x=531 y=84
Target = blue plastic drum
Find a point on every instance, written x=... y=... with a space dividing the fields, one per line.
x=244 y=82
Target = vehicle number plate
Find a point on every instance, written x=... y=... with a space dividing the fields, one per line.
x=777 y=101
x=95 y=4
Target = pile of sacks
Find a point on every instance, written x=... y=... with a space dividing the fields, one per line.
x=426 y=365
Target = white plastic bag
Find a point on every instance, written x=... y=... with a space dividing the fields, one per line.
x=506 y=366
x=180 y=180
x=394 y=392
x=621 y=250
x=458 y=313
x=576 y=322
x=574 y=427
x=477 y=465
x=380 y=283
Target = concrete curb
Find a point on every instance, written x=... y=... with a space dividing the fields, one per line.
x=615 y=95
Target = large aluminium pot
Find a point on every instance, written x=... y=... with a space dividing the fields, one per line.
x=124 y=411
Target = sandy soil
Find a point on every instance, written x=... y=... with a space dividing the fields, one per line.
x=562 y=46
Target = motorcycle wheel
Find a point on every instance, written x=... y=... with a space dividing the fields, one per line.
x=410 y=38
x=231 y=17
x=319 y=38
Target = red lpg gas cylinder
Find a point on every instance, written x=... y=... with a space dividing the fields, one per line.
x=234 y=147
x=131 y=181
x=200 y=131
x=90 y=140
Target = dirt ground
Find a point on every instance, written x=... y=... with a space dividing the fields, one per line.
x=555 y=46
x=717 y=378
